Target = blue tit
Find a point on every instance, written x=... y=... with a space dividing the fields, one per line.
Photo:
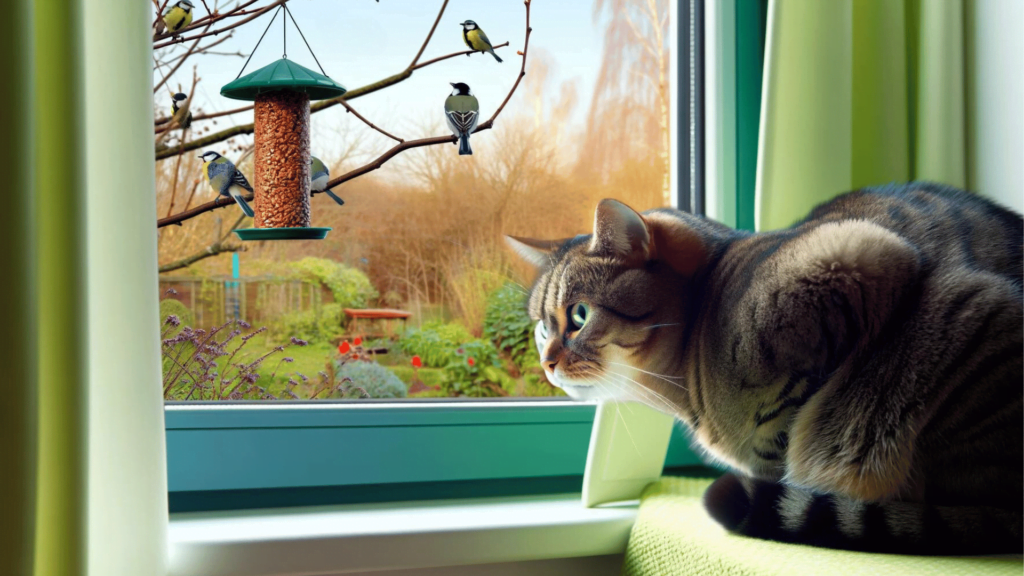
x=476 y=39
x=462 y=111
x=226 y=180
x=319 y=175
x=180 y=112
x=178 y=15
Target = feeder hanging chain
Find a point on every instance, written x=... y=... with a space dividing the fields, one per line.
x=258 y=42
x=284 y=34
x=303 y=36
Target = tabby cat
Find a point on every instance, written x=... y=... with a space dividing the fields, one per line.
x=861 y=371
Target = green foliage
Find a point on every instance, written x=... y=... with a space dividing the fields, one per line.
x=376 y=380
x=509 y=327
x=435 y=343
x=307 y=326
x=349 y=286
x=475 y=371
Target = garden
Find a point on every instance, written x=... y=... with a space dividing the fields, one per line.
x=307 y=354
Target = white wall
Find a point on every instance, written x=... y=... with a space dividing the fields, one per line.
x=995 y=99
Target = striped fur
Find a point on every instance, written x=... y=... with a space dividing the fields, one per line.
x=861 y=371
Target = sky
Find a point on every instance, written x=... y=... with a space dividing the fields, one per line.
x=361 y=41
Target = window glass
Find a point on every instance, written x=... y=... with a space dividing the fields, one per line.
x=412 y=294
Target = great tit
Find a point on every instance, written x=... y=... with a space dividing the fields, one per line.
x=180 y=112
x=462 y=111
x=178 y=15
x=319 y=175
x=226 y=180
x=476 y=39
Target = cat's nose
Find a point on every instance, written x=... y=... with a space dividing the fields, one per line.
x=549 y=364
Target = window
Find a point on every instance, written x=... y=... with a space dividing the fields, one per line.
x=400 y=326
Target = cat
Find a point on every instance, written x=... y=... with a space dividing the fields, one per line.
x=860 y=372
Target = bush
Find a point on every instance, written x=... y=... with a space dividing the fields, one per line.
x=435 y=343
x=509 y=327
x=475 y=371
x=349 y=286
x=376 y=380
x=306 y=326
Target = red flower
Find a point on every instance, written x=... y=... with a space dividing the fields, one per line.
x=416 y=362
x=344 y=347
x=358 y=341
x=470 y=361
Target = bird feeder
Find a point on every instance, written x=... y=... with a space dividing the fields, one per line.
x=282 y=92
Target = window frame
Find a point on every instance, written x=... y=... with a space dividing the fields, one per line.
x=244 y=455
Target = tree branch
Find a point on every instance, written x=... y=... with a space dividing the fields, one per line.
x=211 y=250
x=429 y=35
x=368 y=123
x=210 y=18
x=402 y=146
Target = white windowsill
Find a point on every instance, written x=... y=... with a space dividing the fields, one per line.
x=354 y=538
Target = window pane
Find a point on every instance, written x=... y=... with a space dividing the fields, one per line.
x=413 y=293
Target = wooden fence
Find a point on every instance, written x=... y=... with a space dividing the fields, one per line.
x=213 y=300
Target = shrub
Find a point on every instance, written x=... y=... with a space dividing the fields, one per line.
x=475 y=371
x=307 y=326
x=508 y=325
x=435 y=343
x=349 y=286
x=372 y=378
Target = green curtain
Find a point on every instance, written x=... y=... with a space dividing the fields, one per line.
x=858 y=92
x=83 y=487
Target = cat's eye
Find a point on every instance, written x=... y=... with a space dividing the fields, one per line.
x=578 y=316
x=542 y=330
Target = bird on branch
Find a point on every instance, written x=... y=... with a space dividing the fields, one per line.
x=180 y=112
x=475 y=38
x=226 y=180
x=177 y=16
x=319 y=175
x=462 y=110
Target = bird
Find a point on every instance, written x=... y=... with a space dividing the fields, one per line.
x=476 y=39
x=177 y=16
x=226 y=180
x=462 y=110
x=180 y=112
x=318 y=177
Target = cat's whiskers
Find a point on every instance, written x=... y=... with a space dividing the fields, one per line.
x=662 y=325
x=653 y=395
x=664 y=377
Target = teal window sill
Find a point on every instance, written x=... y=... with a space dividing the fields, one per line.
x=224 y=456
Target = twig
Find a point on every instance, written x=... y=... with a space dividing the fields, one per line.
x=429 y=35
x=453 y=55
x=368 y=123
x=176 y=66
x=209 y=251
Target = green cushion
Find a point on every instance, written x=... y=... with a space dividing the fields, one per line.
x=673 y=535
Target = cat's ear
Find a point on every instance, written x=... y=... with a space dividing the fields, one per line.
x=620 y=232
x=536 y=252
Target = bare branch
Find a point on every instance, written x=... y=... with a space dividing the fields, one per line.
x=176 y=66
x=211 y=250
x=210 y=18
x=453 y=55
x=368 y=123
x=429 y=35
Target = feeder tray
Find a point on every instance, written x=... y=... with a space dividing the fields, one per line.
x=282 y=92
x=282 y=233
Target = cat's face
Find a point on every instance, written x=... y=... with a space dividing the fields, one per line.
x=609 y=312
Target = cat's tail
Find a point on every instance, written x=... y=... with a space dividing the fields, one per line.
x=774 y=511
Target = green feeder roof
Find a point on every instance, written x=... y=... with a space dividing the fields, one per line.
x=282 y=75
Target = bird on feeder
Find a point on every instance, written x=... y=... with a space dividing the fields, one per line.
x=462 y=111
x=180 y=112
x=475 y=38
x=226 y=180
x=319 y=175
x=176 y=17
